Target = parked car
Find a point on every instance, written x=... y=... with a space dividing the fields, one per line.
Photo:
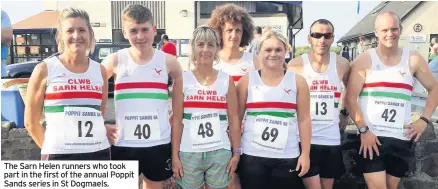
x=419 y=95
x=101 y=51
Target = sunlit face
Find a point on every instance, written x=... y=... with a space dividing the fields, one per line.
x=388 y=30
x=321 y=38
x=141 y=36
x=272 y=53
x=433 y=41
x=205 y=52
x=232 y=34
x=75 y=35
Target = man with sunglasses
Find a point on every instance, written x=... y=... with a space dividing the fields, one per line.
x=379 y=99
x=324 y=72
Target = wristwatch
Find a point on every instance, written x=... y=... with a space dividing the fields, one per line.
x=363 y=129
x=425 y=120
x=238 y=151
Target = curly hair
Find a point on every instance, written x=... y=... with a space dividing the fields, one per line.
x=235 y=14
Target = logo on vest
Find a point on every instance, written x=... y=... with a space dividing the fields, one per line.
x=158 y=71
x=243 y=69
x=287 y=91
x=402 y=73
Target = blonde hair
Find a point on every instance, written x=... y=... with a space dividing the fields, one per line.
x=271 y=34
x=74 y=13
x=137 y=13
x=207 y=34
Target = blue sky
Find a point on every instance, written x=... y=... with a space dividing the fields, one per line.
x=341 y=13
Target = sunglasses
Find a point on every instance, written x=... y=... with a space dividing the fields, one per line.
x=319 y=35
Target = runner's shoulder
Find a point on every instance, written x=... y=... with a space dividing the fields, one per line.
x=362 y=62
x=295 y=63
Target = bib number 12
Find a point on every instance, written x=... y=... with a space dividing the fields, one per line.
x=88 y=124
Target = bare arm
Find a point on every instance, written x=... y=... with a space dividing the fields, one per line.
x=303 y=111
x=242 y=95
x=233 y=116
x=424 y=75
x=34 y=103
x=6 y=36
x=104 y=90
x=110 y=64
x=343 y=67
x=173 y=66
x=177 y=109
x=355 y=83
x=296 y=65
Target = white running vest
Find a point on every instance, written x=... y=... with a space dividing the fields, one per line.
x=239 y=69
x=72 y=105
x=325 y=92
x=205 y=114
x=270 y=129
x=385 y=99
x=141 y=101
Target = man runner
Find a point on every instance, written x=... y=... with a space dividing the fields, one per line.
x=324 y=72
x=382 y=79
x=141 y=98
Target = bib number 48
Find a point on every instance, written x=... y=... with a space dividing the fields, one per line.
x=205 y=129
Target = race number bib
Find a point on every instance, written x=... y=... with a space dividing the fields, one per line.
x=205 y=130
x=270 y=133
x=322 y=107
x=84 y=128
x=387 y=114
x=141 y=126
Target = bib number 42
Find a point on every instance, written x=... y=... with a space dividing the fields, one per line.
x=389 y=115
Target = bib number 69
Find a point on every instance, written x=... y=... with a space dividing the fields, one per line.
x=272 y=134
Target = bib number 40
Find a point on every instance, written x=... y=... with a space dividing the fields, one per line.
x=205 y=129
x=142 y=131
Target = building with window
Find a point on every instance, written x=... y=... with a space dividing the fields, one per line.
x=418 y=22
x=177 y=19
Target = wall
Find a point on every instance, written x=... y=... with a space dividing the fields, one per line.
x=425 y=14
x=179 y=27
x=99 y=12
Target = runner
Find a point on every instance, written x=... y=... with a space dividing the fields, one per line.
x=141 y=98
x=201 y=148
x=382 y=79
x=270 y=140
x=73 y=91
x=324 y=72
x=236 y=29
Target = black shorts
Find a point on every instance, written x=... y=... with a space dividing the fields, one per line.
x=326 y=161
x=154 y=162
x=394 y=158
x=99 y=155
x=261 y=173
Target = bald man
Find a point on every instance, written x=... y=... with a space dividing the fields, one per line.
x=379 y=99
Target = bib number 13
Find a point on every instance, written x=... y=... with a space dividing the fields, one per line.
x=389 y=114
x=205 y=129
x=87 y=124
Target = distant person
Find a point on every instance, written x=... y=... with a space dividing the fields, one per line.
x=346 y=53
x=361 y=45
x=168 y=47
x=252 y=48
x=6 y=40
x=433 y=48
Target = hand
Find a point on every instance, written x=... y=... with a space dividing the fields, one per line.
x=111 y=133
x=368 y=142
x=417 y=128
x=304 y=164
x=177 y=168
x=232 y=165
